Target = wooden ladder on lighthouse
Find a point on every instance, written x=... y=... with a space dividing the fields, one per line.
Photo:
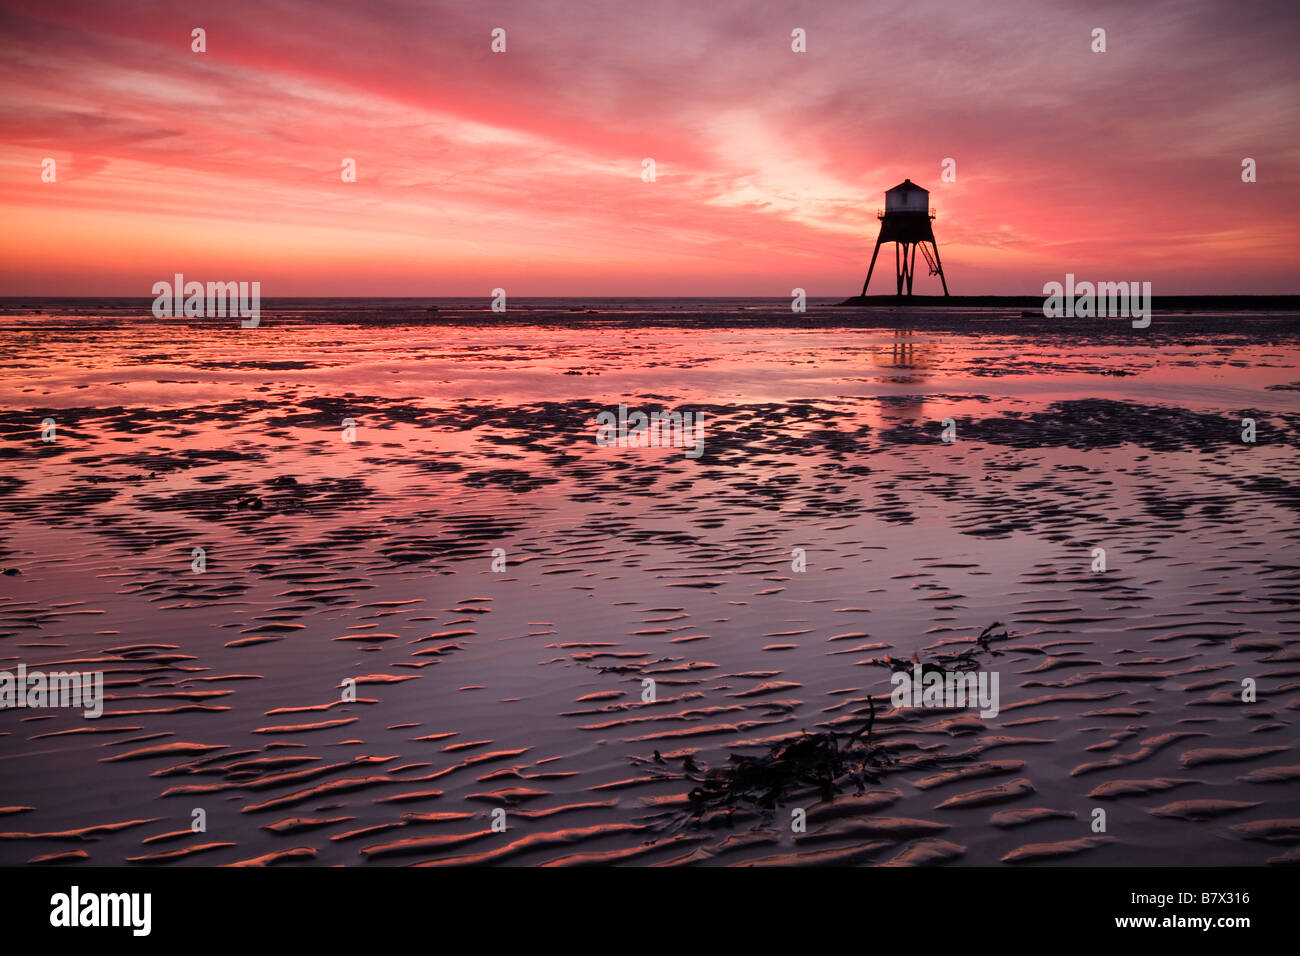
x=925 y=251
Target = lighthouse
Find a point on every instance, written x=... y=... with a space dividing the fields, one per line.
x=905 y=222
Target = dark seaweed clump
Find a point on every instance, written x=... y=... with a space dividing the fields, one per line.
x=826 y=761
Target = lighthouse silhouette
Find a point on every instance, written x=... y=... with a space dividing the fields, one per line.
x=905 y=222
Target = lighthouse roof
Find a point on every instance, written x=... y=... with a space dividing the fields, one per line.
x=907 y=186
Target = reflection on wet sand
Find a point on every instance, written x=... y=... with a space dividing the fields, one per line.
x=431 y=644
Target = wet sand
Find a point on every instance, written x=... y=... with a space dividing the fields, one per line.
x=479 y=690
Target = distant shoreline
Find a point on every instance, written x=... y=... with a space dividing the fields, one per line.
x=11 y=304
x=1271 y=318
x=1165 y=303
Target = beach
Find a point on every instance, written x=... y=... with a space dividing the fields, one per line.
x=550 y=642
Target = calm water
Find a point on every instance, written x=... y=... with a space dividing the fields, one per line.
x=481 y=688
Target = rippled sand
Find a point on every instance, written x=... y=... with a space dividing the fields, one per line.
x=521 y=690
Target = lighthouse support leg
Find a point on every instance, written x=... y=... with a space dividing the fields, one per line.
x=871 y=267
x=939 y=267
x=905 y=265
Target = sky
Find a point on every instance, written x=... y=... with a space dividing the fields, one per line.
x=523 y=170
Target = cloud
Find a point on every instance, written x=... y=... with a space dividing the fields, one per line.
x=527 y=164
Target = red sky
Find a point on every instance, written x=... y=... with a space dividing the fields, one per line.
x=523 y=170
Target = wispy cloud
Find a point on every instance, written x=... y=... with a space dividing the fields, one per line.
x=523 y=169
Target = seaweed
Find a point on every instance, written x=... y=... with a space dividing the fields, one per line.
x=827 y=761
x=961 y=662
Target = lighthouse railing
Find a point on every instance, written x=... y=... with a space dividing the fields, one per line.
x=880 y=213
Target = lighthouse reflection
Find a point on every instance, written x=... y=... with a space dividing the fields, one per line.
x=904 y=349
x=912 y=363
